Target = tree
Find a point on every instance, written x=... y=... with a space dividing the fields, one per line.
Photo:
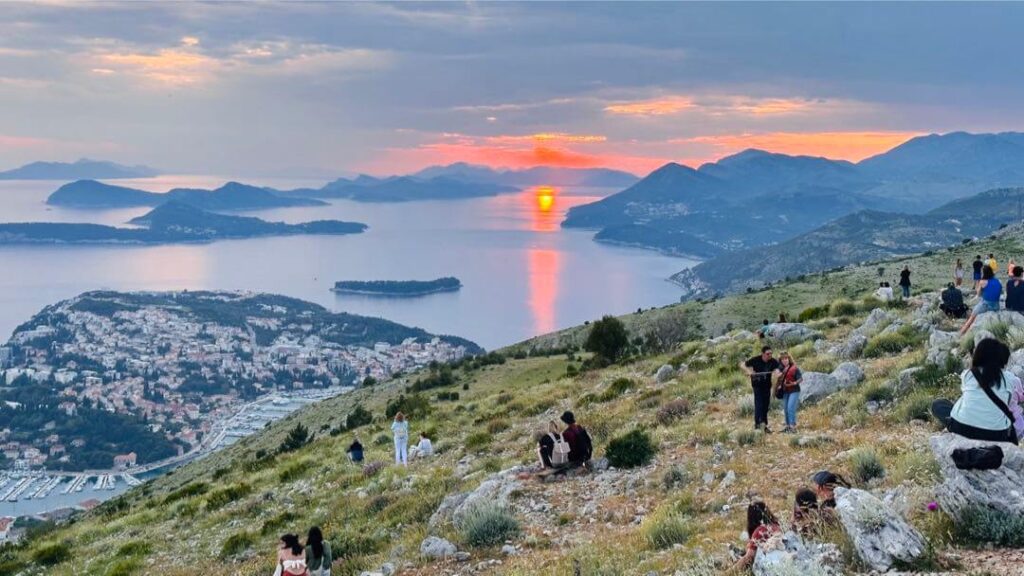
x=608 y=338
x=359 y=416
x=297 y=438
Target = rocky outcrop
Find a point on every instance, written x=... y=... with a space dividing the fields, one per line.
x=1001 y=489
x=434 y=547
x=789 y=554
x=880 y=536
x=941 y=347
x=790 y=333
x=853 y=347
x=496 y=490
x=664 y=374
x=875 y=322
x=817 y=385
x=989 y=320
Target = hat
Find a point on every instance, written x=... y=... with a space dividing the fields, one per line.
x=824 y=478
x=568 y=417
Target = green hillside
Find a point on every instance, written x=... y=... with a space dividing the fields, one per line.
x=678 y=514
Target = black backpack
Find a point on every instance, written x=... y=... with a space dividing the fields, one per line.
x=980 y=458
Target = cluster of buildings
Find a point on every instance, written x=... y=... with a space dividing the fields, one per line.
x=181 y=373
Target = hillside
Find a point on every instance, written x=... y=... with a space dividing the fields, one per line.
x=405 y=189
x=680 y=514
x=80 y=169
x=230 y=196
x=756 y=198
x=536 y=176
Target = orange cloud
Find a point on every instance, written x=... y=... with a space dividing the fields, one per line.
x=852 y=146
x=717 y=105
x=654 y=107
x=169 y=66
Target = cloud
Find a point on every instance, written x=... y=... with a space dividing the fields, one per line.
x=173 y=67
x=652 y=107
x=852 y=145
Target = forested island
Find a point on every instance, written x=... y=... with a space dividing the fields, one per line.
x=398 y=288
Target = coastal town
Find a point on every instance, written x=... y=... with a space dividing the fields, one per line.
x=180 y=367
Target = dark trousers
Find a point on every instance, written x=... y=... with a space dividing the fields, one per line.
x=762 y=400
x=941 y=410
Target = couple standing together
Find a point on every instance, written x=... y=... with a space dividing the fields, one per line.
x=764 y=371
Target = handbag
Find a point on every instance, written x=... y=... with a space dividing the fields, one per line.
x=780 y=390
x=1010 y=432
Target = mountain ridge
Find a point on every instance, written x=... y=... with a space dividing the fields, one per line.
x=82 y=168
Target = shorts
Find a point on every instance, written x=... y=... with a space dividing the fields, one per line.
x=977 y=276
x=986 y=306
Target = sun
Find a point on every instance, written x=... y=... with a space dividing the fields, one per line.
x=545 y=198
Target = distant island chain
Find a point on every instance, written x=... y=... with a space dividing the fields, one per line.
x=398 y=288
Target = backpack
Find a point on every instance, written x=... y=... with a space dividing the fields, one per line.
x=560 y=451
x=980 y=458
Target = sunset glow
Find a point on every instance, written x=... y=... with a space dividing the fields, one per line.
x=544 y=217
x=852 y=146
x=543 y=267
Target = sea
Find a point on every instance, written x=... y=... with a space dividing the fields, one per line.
x=522 y=274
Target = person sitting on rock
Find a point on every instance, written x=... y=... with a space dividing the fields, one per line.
x=355 y=451
x=423 y=448
x=764 y=330
x=825 y=483
x=547 y=442
x=1015 y=290
x=806 y=513
x=953 y=302
x=989 y=289
x=986 y=392
x=761 y=526
x=581 y=448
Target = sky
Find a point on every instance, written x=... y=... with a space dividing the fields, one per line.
x=324 y=89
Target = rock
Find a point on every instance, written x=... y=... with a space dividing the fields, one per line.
x=1016 y=364
x=791 y=332
x=787 y=554
x=905 y=380
x=880 y=537
x=730 y=478
x=387 y=569
x=434 y=547
x=821 y=346
x=683 y=369
x=848 y=374
x=853 y=347
x=496 y=489
x=744 y=335
x=1001 y=489
x=509 y=550
x=871 y=406
x=707 y=478
x=462 y=556
x=664 y=374
x=371 y=574
x=989 y=320
x=892 y=328
x=601 y=464
x=875 y=322
x=980 y=335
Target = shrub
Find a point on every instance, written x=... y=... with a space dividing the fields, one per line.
x=187 y=491
x=236 y=544
x=985 y=526
x=297 y=437
x=878 y=393
x=745 y=406
x=812 y=313
x=372 y=469
x=488 y=525
x=608 y=338
x=891 y=343
x=275 y=522
x=413 y=406
x=674 y=477
x=746 y=437
x=866 y=465
x=917 y=407
x=382 y=440
x=664 y=530
x=499 y=425
x=633 y=449
x=672 y=411
x=294 y=471
x=842 y=307
x=477 y=440
x=51 y=553
x=124 y=567
x=616 y=389
x=571 y=371
x=134 y=548
x=359 y=416
x=225 y=496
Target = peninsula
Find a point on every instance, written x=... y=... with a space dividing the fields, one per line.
x=398 y=288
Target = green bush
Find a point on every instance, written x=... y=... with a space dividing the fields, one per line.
x=630 y=450
x=297 y=437
x=917 y=407
x=878 y=393
x=892 y=342
x=616 y=389
x=984 y=526
x=842 y=307
x=187 y=491
x=497 y=426
x=236 y=544
x=478 y=440
x=413 y=406
x=294 y=471
x=488 y=525
x=664 y=530
x=866 y=465
x=276 y=522
x=124 y=567
x=812 y=313
x=747 y=437
x=359 y=416
x=51 y=553
x=225 y=496
x=134 y=548
x=608 y=338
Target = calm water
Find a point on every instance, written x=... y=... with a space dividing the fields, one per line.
x=522 y=274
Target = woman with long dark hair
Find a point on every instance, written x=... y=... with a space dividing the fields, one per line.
x=318 y=553
x=291 y=557
x=761 y=525
x=983 y=411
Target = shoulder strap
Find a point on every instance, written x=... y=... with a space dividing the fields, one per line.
x=997 y=401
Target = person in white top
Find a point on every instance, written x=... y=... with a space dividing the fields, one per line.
x=985 y=410
x=884 y=292
x=423 y=449
x=291 y=557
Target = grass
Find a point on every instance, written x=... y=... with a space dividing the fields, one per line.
x=488 y=525
x=865 y=465
x=242 y=498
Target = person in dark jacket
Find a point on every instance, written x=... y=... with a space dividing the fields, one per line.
x=977 y=265
x=905 y=281
x=355 y=451
x=953 y=302
x=1015 y=290
x=761 y=370
x=580 y=446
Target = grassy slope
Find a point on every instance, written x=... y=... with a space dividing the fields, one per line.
x=376 y=519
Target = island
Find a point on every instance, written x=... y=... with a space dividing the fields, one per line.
x=83 y=168
x=398 y=288
x=171 y=223
x=230 y=196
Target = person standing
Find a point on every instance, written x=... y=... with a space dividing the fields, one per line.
x=789 y=388
x=905 y=281
x=400 y=431
x=761 y=370
x=958 y=273
x=977 y=265
x=1015 y=290
x=991 y=263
